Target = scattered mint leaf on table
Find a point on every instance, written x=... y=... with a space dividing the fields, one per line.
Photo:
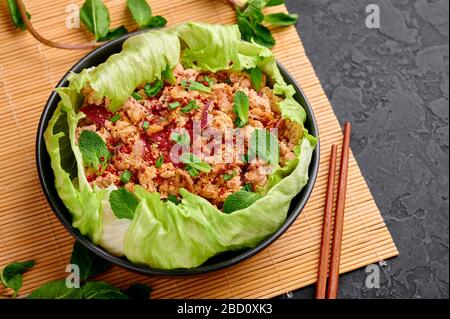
x=101 y=290
x=142 y=15
x=89 y=263
x=115 y=33
x=11 y=275
x=56 y=290
x=95 y=16
x=273 y=3
x=281 y=19
x=94 y=150
x=123 y=203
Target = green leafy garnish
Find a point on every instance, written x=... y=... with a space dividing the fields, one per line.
x=208 y=80
x=145 y=125
x=101 y=290
x=95 y=16
x=123 y=203
x=272 y=3
x=257 y=77
x=263 y=144
x=56 y=290
x=142 y=15
x=126 y=176
x=192 y=105
x=239 y=200
x=115 y=118
x=15 y=15
x=241 y=107
x=172 y=198
x=281 y=19
x=227 y=177
x=196 y=86
x=250 y=21
x=194 y=162
x=182 y=139
x=152 y=90
x=115 y=33
x=136 y=96
x=168 y=76
x=174 y=105
x=11 y=275
x=90 y=264
x=248 y=188
x=94 y=150
x=159 y=162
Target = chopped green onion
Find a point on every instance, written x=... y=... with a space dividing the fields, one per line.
x=136 y=96
x=173 y=199
x=174 y=105
x=159 y=161
x=115 y=118
x=196 y=86
x=182 y=139
x=126 y=176
x=192 y=105
x=193 y=172
x=208 y=80
x=145 y=125
x=184 y=83
x=248 y=188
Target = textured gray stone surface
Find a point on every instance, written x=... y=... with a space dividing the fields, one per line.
x=392 y=83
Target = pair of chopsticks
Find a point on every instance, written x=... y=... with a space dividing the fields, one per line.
x=324 y=291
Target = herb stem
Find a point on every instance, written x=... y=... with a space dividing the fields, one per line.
x=37 y=36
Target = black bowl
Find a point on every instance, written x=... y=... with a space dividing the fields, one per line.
x=223 y=260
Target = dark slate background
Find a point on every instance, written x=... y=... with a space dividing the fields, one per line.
x=392 y=83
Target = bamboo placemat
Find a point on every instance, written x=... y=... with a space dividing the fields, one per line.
x=29 y=229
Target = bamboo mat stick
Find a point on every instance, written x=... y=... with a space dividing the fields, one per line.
x=333 y=279
x=326 y=231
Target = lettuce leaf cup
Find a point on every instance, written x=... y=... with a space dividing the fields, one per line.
x=177 y=227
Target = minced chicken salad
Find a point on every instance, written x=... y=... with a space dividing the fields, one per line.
x=186 y=144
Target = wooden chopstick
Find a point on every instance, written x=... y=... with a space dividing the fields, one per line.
x=333 y=278
x=321 y=284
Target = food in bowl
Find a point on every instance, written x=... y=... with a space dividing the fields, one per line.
x=186 y=144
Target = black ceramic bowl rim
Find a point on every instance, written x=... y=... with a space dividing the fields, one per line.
x=46 y=177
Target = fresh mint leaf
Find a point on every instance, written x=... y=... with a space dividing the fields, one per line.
x=239 y=200
x=194 y=162
x=273 y=3
x=264 y=145
x=115 y=33
x=192 y=105
x=123 y=203
x=156 y=22
x=95 y=16
x=196 y=86
x=94 y=150
x=11 y=275
x=182 y=139
x=253 y=11
x=90 y=264
x=102 y=290
x=281 y=19
x=252 y=30
x=138 y=291
x=159 y=162
x=256 y=76
x=56 y=290
x=153 y=89
x=140 y=11
x=241 y=107
x=15 y=15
